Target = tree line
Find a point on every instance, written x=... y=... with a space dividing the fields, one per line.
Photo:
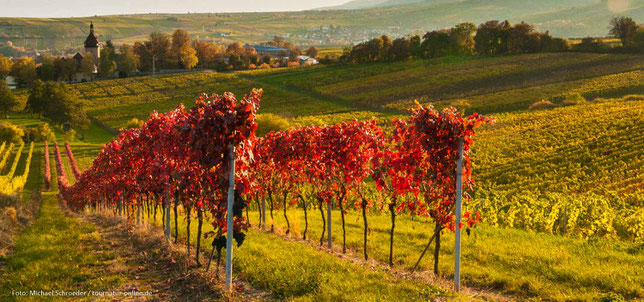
x=490 y=38
x=160 y=51
x=179 y=51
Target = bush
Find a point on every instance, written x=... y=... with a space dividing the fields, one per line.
x=70 y=135
x=40 y=133
x=268 y=122
x=543 y=104
x=573 y=99
x=133 y=123
x=45 y=133
x=293 y=64
x=11 y=133
x=264 y=66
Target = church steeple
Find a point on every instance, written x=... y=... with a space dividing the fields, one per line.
x=91 y=43
x=92 y=38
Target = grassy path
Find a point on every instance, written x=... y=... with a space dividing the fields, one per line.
x=57 y=253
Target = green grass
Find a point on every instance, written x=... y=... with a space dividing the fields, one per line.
x=516 y=262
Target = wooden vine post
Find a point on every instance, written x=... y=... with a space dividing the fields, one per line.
x=328 y=225
x=459 y=193
x=121 y=205
x=167 y=216
x=138 y=214
x=229 y=223
x=263 y=212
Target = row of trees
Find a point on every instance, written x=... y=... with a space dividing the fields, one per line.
x=182 y=159
x=179 y=51
x=489 y=38
x=58 y=102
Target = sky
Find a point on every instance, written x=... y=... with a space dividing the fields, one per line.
x=83 y=8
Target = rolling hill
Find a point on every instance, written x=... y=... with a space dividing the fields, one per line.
x=354 y=22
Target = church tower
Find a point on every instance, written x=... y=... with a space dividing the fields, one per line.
x=91 y=43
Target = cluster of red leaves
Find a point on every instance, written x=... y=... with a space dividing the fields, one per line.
x=333 y=159
x=72 y=161
x=436 y=135
x=415 y=166
x=47 y=175
x=183 y=153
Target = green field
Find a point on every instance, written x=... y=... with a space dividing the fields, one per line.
x=489 y=84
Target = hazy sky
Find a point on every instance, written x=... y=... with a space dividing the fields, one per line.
x=80 y=8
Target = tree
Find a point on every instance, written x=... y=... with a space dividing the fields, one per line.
x=47 y=70
x=62 y=106
x=235 y=48
x=293 y=55
x=551 y=44
x=638 y=38
x=415 y=46
x=37 y=97
x=235 y=60
x=436 y=43
x=400 y=49
x=188 y=57
x=160 y=47
x=207 y=53
x=24 y=70
x=65 y=68
x=312 y=52
x=5 y=66
x=107 y=61
x=462 y=39
x=7 y=100
x=521 y=39
x=623 y=28
x=385 y=54
x=88 y=65
x=183 y=50
x=278 y=41
x=128 y=60
x=491 y=37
